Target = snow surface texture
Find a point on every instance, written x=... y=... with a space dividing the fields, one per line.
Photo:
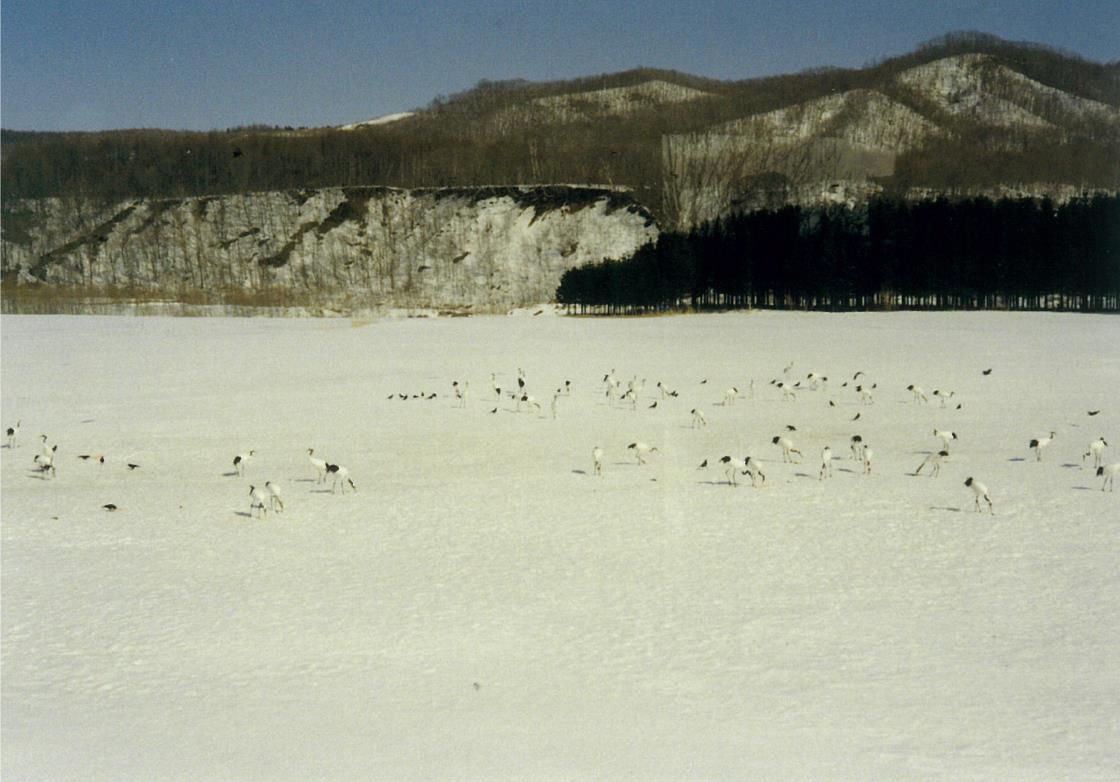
x=485 y=607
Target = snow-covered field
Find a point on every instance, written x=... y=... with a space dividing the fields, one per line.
x=485 y=607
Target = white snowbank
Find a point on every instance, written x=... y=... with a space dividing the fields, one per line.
x=483 y=607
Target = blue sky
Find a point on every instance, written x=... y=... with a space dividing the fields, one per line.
x=83 y=65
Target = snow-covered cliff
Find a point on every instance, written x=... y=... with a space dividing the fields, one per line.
x=484 y=249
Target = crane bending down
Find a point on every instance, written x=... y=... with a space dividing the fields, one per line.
x=641 y=450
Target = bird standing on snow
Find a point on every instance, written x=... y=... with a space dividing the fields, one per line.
x=979 y=491
x=641 y=449
x=787 y=448
x=945 y=436
x=275 y=501
x=241 y=460
x=826 y=464
x=14 y=430
x=1039 y=443
x=1096 y=450
x=256 y=502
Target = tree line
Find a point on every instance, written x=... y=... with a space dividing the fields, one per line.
x=886 y=254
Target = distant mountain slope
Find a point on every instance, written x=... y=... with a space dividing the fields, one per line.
x=963 y=113
x=594 y=104
x=858 y=135
x=618 y=100
x=864 y=117
x=981 y=89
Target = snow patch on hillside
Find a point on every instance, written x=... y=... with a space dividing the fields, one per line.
x=977 y=87
x=864 y=118
x=385 y=119
x=610 y=101
x=621 y=100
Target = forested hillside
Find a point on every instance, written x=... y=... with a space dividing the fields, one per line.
x=965 y=111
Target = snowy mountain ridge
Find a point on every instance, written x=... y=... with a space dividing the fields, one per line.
x=857 y=136
x=980 y=88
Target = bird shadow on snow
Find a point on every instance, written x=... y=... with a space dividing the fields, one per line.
x=1083 y=488
x=945 y=508
x=304 y=480
x=1017 y=459
x=1071 y=466
x=243 y=514
x=230 y=474
x=579 y=472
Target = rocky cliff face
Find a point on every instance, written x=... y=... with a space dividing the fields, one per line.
x=478 y=250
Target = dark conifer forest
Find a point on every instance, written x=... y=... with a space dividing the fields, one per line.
x=887 y=254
